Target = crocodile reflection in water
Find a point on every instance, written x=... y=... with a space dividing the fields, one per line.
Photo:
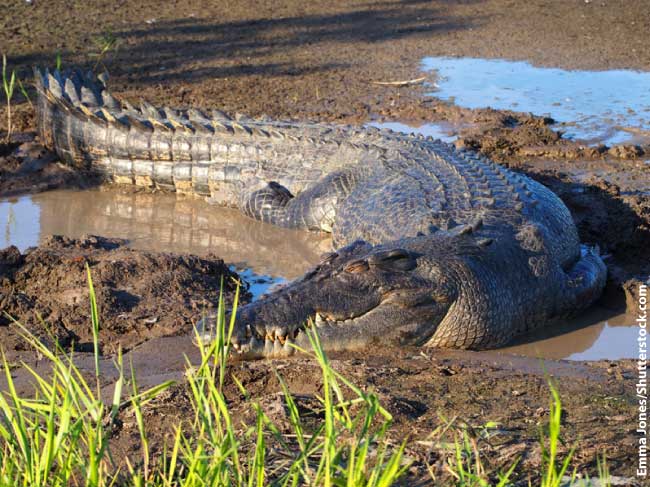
x=163 y=222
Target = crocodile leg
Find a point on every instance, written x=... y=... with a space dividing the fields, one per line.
x=268 y=204
x=313 y=209
x=584 y=281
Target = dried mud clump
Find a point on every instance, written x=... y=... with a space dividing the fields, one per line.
x=141 y=295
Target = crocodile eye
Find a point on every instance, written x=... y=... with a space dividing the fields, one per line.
x=356 y=267
x=395 y=259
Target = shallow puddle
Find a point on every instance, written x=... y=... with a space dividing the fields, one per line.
x=607 y=107
x=263 y=254
x=597 y=334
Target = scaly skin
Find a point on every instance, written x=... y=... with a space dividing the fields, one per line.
x=437 y=246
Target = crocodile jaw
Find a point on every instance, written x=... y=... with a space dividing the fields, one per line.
x=385 y=324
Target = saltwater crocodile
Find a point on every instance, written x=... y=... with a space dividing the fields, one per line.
x=435 y=246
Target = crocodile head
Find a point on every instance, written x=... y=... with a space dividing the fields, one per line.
x=358 y=296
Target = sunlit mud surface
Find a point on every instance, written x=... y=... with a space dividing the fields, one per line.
x=264 y=255
x=607 y=107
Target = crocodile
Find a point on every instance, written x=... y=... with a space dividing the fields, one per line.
x=435 y=246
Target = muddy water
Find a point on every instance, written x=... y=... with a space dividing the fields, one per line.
x=161 y=222
x=263 y=254
x=596 y=106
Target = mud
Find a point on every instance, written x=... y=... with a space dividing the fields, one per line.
x=418 y=388
x=140 y=295
x=27 y=167
x=320 y=61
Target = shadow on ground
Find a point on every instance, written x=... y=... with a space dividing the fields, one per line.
x=193 y=49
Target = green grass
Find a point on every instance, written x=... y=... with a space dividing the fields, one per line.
x=61 y=434
x=8 y=84
x=105 y=43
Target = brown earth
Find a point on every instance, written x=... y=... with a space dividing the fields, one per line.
x=422 y=389
x=140 y=295
x=310 y=60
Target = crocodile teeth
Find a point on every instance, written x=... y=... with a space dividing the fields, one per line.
x=319 y=320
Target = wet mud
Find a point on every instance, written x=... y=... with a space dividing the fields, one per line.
x=421 y=388
x=314 y=61
x=27 y=167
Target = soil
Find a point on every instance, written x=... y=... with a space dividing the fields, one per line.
x=420 y=390
x=320 y=61
x=27 y=167
x=140 y=295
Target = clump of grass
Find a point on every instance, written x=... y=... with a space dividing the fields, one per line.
x=8 y=84
x=106 y=43
x=23 y=90
x=554 y=469
x=462 y=459
x=465 y=464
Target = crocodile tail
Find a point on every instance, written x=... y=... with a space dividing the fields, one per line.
x=176 y=150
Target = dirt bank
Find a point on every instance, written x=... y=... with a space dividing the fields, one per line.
x=322 y=60
x=502 y=402
x=314 y=59
x=141 y=295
